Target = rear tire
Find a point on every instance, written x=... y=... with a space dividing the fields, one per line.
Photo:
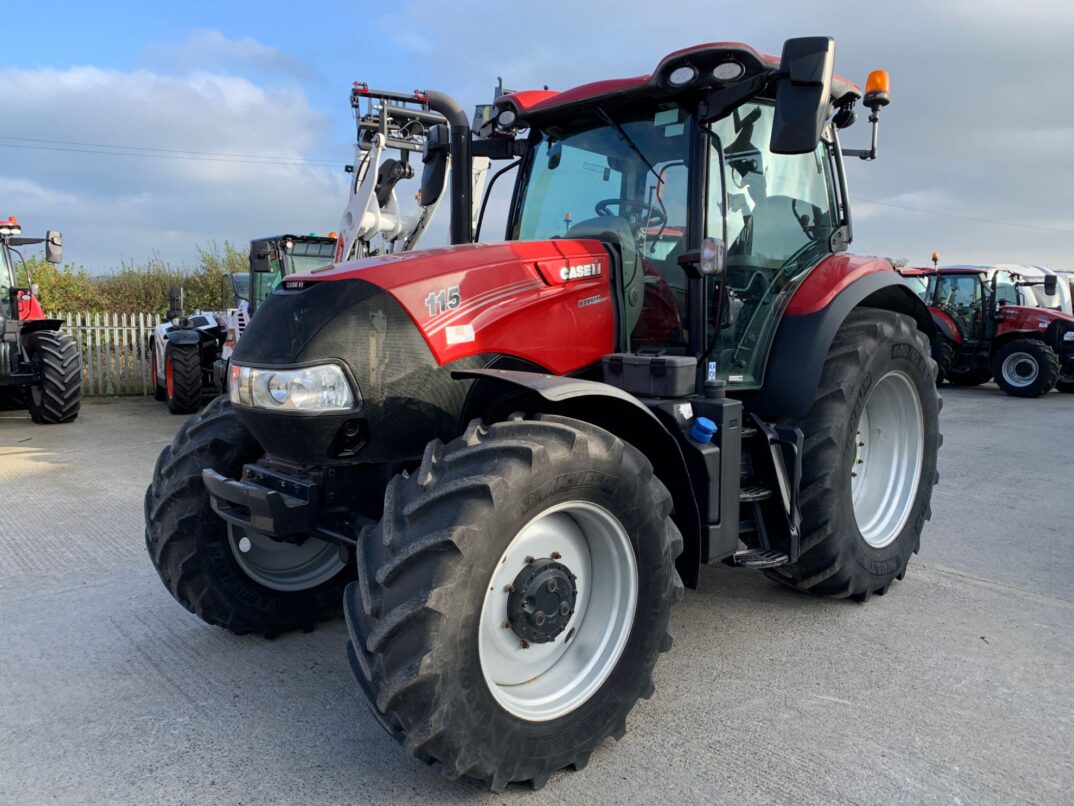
x=943 y=351
x=182 y=378
x=56 y=395
x=425 y=615
x=190 y=545
x=1025 y=368
x=1066 y=381
x=877 y=367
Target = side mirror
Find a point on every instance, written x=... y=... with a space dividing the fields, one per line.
x=1051 y=284
x=803 y=94
x=54 y=246
x=260 y=254
x=435 y=159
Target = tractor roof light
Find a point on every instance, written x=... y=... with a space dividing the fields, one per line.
x=506 y=118
x=877 y=90
x=682 y=75
x=10 y=227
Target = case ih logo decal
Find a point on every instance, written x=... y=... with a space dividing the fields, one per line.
x=580 y=271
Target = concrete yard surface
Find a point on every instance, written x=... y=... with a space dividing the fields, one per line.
x=957 y=686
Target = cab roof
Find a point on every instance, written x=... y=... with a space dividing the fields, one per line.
x=704 y=58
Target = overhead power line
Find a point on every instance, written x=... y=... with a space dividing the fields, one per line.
x=963 y=217
x=107 y=149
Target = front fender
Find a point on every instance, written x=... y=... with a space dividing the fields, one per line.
x=613 y=410
x=792 y=375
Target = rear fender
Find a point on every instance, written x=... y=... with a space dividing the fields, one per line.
x=27 y=326
x=792 y=375
x=497 y=393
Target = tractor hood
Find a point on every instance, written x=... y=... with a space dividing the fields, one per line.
x=1034 y=318
x=546 y=302
x=401 y=324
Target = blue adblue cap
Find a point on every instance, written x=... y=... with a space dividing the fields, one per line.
x=702 y=430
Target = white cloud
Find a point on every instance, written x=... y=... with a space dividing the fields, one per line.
x=120 y=206
x=210 y=49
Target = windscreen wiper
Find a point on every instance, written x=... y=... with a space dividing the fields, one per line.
x=626 y=139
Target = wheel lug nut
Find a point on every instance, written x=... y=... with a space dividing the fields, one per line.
x=507 y=624
x=853 y=475
x=861 y=461
x=529 y=560
x=556 y=555
x=538 y=618
x=509 y=588
x=552 y=586
x=564 y=608
x=524 y=645
x=861 y=444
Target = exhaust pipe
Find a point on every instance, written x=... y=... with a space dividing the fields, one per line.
x=462 y=225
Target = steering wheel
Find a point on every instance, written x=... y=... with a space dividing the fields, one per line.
x=654 y=216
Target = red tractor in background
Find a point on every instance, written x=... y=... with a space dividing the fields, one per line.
x=40 y=366
x=507 y=459
x=983 y=331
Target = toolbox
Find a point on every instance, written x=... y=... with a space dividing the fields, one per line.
x=651 y=374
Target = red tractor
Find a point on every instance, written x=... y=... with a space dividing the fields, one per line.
x=507 y=459
x=40 y=366
x=983 y=330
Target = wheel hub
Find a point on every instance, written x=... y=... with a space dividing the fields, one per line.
x=541 y=600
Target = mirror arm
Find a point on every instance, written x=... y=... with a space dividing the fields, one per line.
x=867 y=153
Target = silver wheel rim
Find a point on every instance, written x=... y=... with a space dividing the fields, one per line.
x=1020 y=369
x=544 y=681
x=288 y=567
x=889 y=454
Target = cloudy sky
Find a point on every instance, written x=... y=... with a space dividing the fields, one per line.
x=239 y=112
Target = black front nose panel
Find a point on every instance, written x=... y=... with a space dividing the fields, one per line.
x=407 y=399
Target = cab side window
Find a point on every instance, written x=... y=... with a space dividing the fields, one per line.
x=960 y=296
x=1006 y=290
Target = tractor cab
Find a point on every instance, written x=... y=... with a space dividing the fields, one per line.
x=277 y=256
x=706 y=156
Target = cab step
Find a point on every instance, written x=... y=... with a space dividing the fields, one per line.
x=756 y=558
x=748 y=431
x=751 y=495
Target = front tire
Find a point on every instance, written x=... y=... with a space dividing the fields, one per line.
x=1066 y=379
x=182 y=378
x=1026 y=368
x=196 y=555
x=968 y=377
x=869 y=463
x=56 y=393
x=444 y=669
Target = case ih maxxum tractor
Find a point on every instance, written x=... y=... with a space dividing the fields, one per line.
x=40 y=366
x=507 y=459
x=983 y=330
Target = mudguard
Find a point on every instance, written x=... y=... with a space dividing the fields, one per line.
x=179 y=336
x=27 y=326
x=628 y=418
x=792 y=375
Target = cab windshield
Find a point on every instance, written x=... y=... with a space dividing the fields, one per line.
x=628 y=177
x=6 y=281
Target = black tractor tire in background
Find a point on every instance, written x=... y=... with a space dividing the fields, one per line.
x=415 y=613
x=968 y=377
x=14 y=398
x=56 y=395
x=189 y=544
x=159 y=392
x=943 y=351
x=1039 y=354
x=1066 y=380
x=835 y=559
x=182 y=378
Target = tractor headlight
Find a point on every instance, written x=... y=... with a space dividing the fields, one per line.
x=1068 y=336
x=318 y=388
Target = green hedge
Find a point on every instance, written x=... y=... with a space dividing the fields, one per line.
x=135 y=288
